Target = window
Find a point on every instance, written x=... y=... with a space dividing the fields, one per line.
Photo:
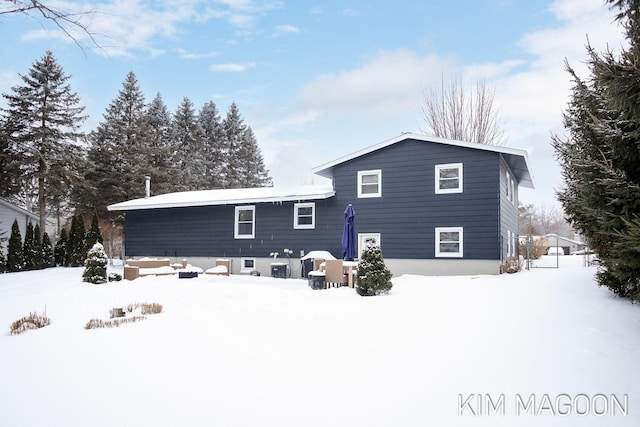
x=245 y=224
x=449 y=242
x=370 y=183
x=366 y=238
x=304 y=215
x=510 y=188
x=247 y=265
x=449 y=178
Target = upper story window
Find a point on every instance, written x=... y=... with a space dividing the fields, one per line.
x=449 y=178
x=449 y=242
x=370 y=183
x=245 y=222
x=511 y=188
x=304 y=215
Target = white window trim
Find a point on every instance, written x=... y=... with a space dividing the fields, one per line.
x=362 y=239
x=236 y=223
x=361 y=174
x=296 y=224
x=243 y=268
x=458 y=254
x=437 y=178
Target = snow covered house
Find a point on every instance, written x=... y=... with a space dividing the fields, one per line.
x=435 y=206
x=10 y=213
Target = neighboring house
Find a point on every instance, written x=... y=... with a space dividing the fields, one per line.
x=435 y=206
x=569 y=246
x=8 y=214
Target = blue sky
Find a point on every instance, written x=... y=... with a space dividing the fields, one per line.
x=317 y=80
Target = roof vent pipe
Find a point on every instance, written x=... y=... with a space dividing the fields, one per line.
x=147 y=187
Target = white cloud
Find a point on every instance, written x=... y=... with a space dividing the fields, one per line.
x=232 y=67
x=390 y=82
x=193 y=55
x=287 y=29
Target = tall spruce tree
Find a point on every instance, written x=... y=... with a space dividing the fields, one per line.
x=160 y=144
x=213 y=146
x=244 y=166
x=189 y=157
x=41 y=131
x=15 y=258
x=117 y=155
x=600 y=158
x=76 y=245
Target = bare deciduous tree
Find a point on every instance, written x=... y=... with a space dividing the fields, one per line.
x=66 y=21
x=455 y=112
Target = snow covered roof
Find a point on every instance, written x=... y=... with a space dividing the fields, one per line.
x=18 y=209
x=517 y=160
x=227 y=197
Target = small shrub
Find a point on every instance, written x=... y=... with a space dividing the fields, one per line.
x=116 y=313
x=114 y=277
x=374 y=278
x=32 y=321
x=511 y=265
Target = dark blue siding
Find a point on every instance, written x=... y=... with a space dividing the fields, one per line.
x=406 y=215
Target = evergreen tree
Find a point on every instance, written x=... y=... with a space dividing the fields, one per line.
x=117 y=155
x=3 y=261
x=15 y=259
x=37 y=248
x=244 y=166
x=93 y=235
x=29 y=249
x=213 y=145
x=189 y=158
x=77 y=247
x=95 y=265
x=374 y=278
x=60 y=251
x=47 y=252
x=40 y=129
x=600 y=158
x=159 y=142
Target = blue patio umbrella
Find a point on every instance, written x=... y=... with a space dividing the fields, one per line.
x=349 y=234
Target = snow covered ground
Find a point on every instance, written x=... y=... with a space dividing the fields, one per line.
x=257 y=351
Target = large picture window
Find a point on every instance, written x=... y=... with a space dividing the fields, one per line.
x=370 y=183
x=449 y=242
x=449 y=178
x=245 y=222
x=304 y=215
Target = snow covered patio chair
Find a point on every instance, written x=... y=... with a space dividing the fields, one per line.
x=222 y=268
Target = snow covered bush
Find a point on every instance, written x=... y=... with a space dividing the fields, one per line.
x=95 y=265
x=374 y=278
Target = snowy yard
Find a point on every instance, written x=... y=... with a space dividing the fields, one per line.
x=256 y=351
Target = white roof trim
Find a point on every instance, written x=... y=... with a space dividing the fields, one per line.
x=524 y=176
x=19 y=209
x=233 y=196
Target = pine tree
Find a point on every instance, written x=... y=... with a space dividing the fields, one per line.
x=213 y=145
x=189 y=158
x=117 y=156
x=159 y=140
x=37 y=248
x=15 y=259
x=47 y=252
x=95 y=265
x=600 y=158
x=41 y=130
x=374 y=278
x=60 y=251
x=93 y=234
x=29 y=249
x=244 y=166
